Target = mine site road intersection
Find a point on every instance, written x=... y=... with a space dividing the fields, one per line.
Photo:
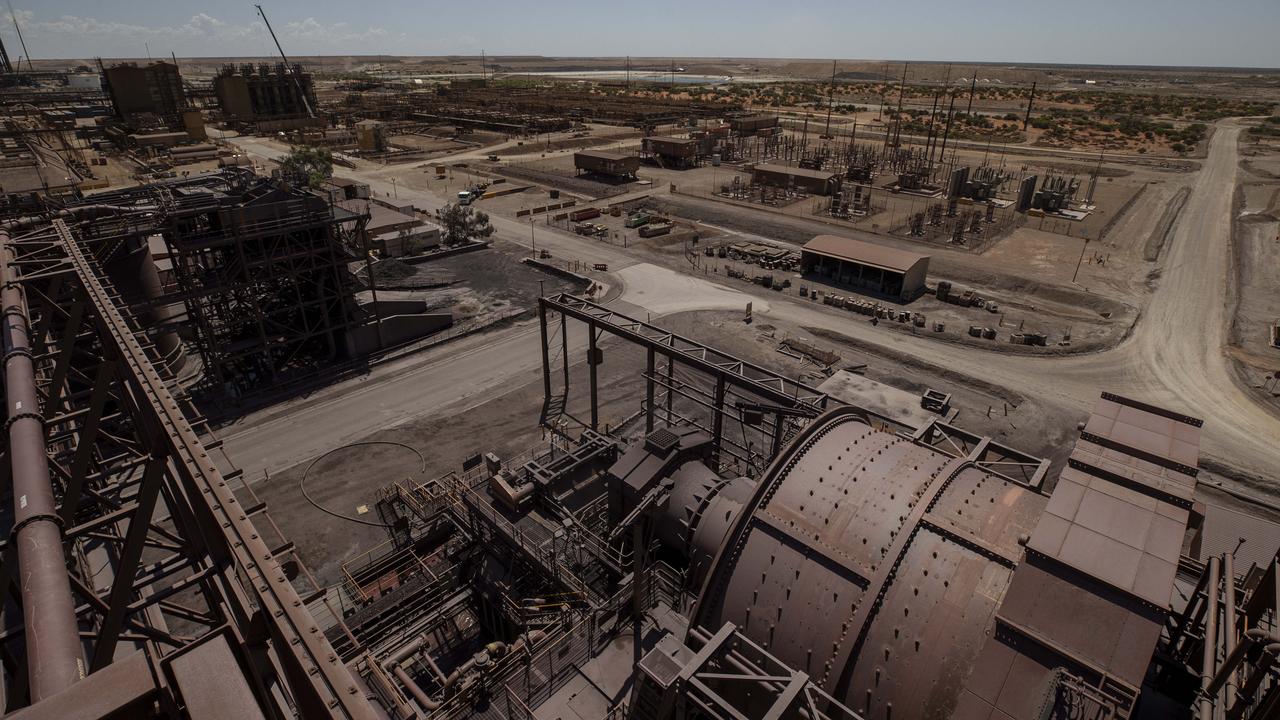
x=1174 y=357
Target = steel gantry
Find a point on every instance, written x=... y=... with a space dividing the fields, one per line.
x=139 y=573
x=725 y=387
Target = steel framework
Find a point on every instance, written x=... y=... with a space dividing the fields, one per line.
x=733 y=381
x=259 y=273
x=146 y=573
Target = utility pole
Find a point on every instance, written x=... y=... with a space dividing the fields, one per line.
x=902 y=89
x=302 y=95
x=973 y=85
x=951 y=113
x=484 y=73
x=1030 y=101
x=831 y=100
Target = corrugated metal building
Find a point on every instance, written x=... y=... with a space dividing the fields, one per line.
x=867 y=267
x=817 y=182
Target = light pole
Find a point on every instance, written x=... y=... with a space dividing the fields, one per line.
x=393 y=189
x=533 y=243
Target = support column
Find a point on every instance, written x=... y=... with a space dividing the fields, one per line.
x=592 y=361
x=1209 y=656
x=564 y=353
x=671 y=376
x=648 y=393
x=717 y=430
x=546 y=353
x=1228 y=623
x=54 y=655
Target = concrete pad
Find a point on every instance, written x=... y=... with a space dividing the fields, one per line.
x=886 y=401
x=662 y=291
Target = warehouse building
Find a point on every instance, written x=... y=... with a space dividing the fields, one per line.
x=606 y=163
x=816 y=182
x=868 y=268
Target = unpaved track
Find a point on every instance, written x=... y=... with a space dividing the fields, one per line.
x=1175 y=356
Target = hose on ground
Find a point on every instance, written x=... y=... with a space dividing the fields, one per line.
x=302 y=482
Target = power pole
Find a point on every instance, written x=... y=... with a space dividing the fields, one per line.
x=951 y=113
x=1030 y=101
x=302 y=95
x=831 y=99
x=484 y=73
x=973 y=85
x=902 y=89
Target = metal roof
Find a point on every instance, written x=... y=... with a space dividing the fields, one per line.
x=1095 y=588
x=864 y=253
x=603 y=155
x=796 y=171
x=1225 y=527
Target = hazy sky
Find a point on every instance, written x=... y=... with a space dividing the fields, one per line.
x=1136 y=32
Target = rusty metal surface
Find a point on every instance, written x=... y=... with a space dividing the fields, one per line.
x=123 y=685
x=1048 y=603
x=209 y=546
x=55 y=658
x=212 y=682
x=1091 y=598
x=1129 y=540
x=867 y=560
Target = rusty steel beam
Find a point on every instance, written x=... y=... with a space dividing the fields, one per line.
x=54 y=654
x=320 y=684
x=737 y=373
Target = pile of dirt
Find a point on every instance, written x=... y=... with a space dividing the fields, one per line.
x=391 y=274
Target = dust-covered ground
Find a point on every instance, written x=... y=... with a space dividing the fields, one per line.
x=475 y=285
x=1256 y=261
x=507 y=424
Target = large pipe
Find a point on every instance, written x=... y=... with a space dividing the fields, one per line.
x=1228 y=623
x=1253 y=681
x=494 y=649
x=1210 y=654
x=1227 y=671
x=55 y=658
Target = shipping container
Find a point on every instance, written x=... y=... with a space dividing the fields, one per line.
x=655 y=230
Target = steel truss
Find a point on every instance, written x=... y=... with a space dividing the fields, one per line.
x=735 y=383
x=161 y=592
x=259 y=285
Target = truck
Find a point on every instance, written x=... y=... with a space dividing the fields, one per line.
x=465 y=197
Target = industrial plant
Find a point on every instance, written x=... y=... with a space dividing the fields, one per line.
x=549 y=388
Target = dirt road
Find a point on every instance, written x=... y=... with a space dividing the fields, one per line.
x=1175 y=357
